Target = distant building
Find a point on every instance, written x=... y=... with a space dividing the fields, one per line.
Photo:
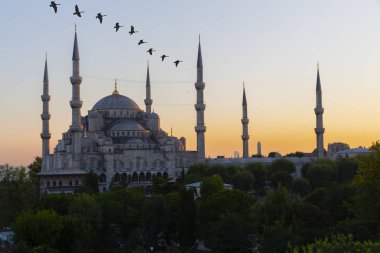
x=298 y=162
x=333 y=148
x=351 y=152
x=197 y=188
x=236 y=154
x=6 y=239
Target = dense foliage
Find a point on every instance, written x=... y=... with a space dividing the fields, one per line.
x=333 y=207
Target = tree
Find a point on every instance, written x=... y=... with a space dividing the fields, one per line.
x=211 y=185
x=76 y=235
x=321 y=173
x=34 y=169
x=121 y=216
x=346 y=169
x=282 y=164
x=17 y=193
x=276 y=238
x=337 y=244
x=282 y=178
x=243 y=180
x=90 y=184
x=187 y=219
x=230 y=234
x=38 y=228
x=223 y=203
x=86 y=208
x=301 y=186
x=367 y=184
x=259 y=172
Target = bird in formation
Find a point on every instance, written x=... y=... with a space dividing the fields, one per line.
x=54 y=6
x=163 y=57
x=77 y=12
x=141 y=42
x=177 y=62
x=132 y=30
x=117 y=26
x=151 y=50
x=100 y=17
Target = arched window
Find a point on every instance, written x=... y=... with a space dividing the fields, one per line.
x=135 y=177
x=141 y=177
x=102 y=178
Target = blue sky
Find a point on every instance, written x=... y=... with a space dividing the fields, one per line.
x=273 y=46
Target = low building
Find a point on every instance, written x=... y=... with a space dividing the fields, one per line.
x=197 y=188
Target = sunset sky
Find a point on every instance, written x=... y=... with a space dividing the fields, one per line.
x=273 y=46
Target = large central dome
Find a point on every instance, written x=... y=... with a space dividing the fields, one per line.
x=116 y=101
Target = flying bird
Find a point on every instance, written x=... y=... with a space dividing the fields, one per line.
x=100 y=17
x=163 y=57
x=77 y=12
x=141 y=42
x=177 y=62
x=132 y=31
x=150 y=51
x=117 y=26
x=54 y=6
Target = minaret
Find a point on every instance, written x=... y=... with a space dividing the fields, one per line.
x=148 y=101
x=259 y=148
x=200 y=128
x=45 y=116
x=245 y=121
x=76 y=105
x=319 y=130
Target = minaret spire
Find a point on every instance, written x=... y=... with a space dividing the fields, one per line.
x=45 y=116
x=319 y=130
x=76 y=105
x=245 y=121
x=200 y=107
x=148 y=101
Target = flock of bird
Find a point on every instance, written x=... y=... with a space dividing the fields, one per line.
x=117 y=26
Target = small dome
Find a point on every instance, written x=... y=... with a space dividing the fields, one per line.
x=153 y=115
x=116 y=101
x=127 y=125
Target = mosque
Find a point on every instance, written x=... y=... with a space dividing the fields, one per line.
x=117 y=140
x=125 y=145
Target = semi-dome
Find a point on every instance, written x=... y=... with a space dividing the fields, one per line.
x=127 y=125
x=116 y=101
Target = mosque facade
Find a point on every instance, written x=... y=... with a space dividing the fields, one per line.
x=117 y=140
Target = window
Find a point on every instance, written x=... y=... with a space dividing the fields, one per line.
x=60 y=183
x=48 y=183
x=76 y=182
x=54 y=183
x=70 y=183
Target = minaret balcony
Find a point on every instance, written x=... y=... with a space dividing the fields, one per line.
x=200 y=129
x=45 y=136
x=245 y=137
x=76 y=80
x=200 y=85
x=76 y=104
x=148 y=101
x=244 y=121
x=45 y=116
x=45 y=98
x=319 y=110
x=319 y=130
x=200 y=107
